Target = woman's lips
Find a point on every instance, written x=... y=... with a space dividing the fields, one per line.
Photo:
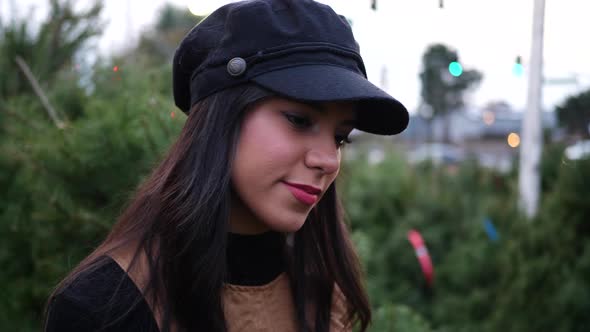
x=305 y=194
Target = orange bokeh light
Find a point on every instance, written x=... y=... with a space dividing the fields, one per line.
x=513 y=140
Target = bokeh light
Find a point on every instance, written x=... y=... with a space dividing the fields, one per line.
x=513 y=140
x=489 y=118
x=455 y=69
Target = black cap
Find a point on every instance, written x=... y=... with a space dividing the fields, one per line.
x=300 y=49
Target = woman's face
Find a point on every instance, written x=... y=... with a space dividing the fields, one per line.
x=287 y=155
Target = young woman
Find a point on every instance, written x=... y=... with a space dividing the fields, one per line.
x=240 y=228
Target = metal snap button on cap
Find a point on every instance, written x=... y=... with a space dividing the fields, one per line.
x=236 y=66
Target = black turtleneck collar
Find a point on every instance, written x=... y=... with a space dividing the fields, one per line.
x=255 y=260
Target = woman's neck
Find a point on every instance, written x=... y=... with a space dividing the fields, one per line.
x=254 y=260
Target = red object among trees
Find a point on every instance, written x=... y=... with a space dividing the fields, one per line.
x=417 y=242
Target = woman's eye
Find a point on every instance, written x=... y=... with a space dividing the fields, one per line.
x=342 y=140
x=298 y=121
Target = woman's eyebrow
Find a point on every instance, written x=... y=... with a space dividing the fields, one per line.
x=319 y=108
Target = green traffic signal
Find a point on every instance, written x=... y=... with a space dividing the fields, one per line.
x=518 y=68
x=455 y=69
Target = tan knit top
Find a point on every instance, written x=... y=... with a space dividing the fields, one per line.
x=270 y=308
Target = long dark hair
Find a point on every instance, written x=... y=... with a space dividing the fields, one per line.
x=179 y=216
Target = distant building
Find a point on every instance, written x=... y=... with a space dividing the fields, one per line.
x=475 y=133
x=471 y=124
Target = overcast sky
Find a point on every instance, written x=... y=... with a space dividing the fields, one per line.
x=488 y=35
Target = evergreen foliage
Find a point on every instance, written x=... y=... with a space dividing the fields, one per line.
x=574 y=114
x=62 y=189
x=51 y=49
x=525 y=281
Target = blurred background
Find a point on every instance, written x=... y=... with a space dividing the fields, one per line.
x=437 y=212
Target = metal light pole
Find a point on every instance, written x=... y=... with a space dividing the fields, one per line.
x=532 y=140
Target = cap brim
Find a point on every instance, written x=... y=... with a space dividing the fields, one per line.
x=378 y=112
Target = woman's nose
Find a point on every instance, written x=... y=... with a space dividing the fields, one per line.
x=324 y=156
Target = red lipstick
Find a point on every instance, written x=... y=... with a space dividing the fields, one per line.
x=305 y=194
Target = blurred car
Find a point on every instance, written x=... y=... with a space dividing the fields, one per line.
x=578 y=150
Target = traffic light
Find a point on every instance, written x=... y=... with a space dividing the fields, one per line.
x=455 y=69
x=517 y=68
x=374 y=4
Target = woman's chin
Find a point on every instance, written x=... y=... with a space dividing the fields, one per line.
x=290 y=225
